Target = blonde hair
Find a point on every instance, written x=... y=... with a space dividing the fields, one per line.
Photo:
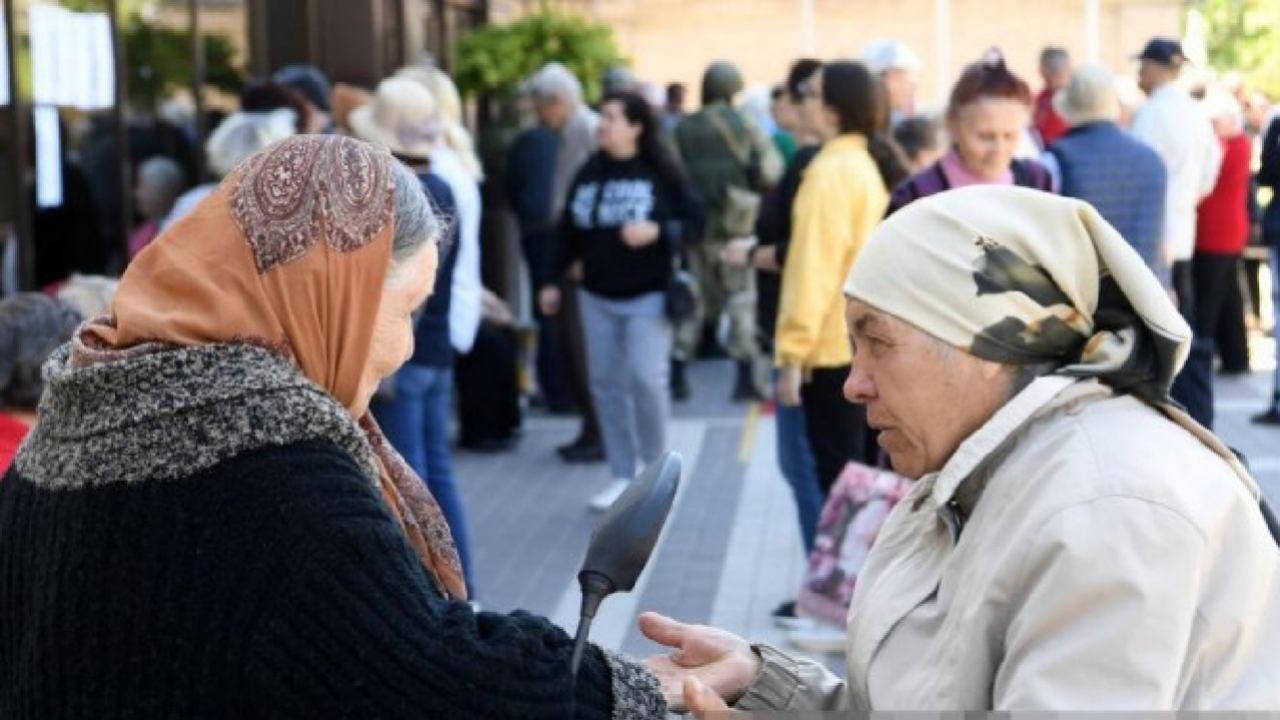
x=449 y=112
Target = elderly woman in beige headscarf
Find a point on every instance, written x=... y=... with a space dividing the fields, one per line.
x=1074 y=540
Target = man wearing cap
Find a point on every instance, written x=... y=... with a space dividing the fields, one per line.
x=1173 y=124
x=730 y=160
x=1097 y=162
x=898 y=66
x=313 y=86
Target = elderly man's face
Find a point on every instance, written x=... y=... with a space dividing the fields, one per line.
x=554 y=114
x=900 y=86
x=924 y=399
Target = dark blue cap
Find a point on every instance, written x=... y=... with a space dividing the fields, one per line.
x=309 y=81
x=1165 y=51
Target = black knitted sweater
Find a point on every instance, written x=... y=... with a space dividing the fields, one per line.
x=145 y=575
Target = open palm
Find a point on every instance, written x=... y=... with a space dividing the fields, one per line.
x=719 y=660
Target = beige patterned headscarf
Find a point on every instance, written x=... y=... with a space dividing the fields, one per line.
x=1020 y=277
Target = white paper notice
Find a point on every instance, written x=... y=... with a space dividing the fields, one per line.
x=102 y=61
x=45 y=75
x=72 y=59
x=48 y=157
x=4 y=62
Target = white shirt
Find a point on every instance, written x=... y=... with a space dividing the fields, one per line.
x=1175 y=125
x=468 y=288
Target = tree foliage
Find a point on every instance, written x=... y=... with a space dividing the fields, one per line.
x=159 y=57
x=159 y=60
x=497 y=58
x=1244 y=36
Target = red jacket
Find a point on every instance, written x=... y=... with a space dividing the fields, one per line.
x=12 y=433
x=1048 y=122
x=1222 y=221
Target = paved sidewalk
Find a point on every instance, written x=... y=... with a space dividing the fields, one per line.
x=731 y=552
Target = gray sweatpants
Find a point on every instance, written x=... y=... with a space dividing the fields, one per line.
x=628 y=367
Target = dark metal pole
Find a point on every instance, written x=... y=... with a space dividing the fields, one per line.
x=18 y=158
x=197 y=80
x=121 y=117
x=312 y=25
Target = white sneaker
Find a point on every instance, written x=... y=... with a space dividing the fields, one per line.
x=821 y=639
x=605 y=498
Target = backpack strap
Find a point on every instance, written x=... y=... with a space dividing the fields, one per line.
x=740 y=151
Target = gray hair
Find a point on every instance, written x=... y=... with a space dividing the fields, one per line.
x=1020 y=376
x=165 y=174
x=418 y=220
x=32 y=326
x=555 y=82
x=1017 y=377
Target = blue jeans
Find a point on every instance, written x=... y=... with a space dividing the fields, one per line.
x=416 y=423
x=798 y=466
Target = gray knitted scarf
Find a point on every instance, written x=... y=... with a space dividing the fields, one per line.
x=170 y=414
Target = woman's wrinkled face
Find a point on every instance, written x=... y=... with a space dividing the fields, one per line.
x=987 y=133
x=924 y=398
x=392 y=344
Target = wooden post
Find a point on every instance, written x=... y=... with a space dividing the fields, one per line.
x=197 y=82
x=121 y=118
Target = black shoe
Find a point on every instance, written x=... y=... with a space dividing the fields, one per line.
x=745 y=390
x=709 y=347
x=577 y=443
x=1270 y=417
x=586 y=453
x=784 y=617
x=490 y=445
x=679 y=382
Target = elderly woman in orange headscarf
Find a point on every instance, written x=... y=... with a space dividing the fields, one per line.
x=206 y=522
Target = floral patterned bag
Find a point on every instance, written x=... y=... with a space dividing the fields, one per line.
x=855 y=509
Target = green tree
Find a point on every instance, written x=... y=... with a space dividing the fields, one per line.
x=159 y=57
x=159 y=60
x=1244 y=36
x=497 y=58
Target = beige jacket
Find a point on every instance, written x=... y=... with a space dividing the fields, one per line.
x=1115 y=561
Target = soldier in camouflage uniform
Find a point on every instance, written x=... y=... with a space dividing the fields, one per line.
x=721 y=148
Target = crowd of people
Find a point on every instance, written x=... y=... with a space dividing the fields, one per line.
x=255 y=422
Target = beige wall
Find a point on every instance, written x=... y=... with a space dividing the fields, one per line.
x=675 y=39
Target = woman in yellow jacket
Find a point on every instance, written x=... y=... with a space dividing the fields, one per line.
x=842 y=198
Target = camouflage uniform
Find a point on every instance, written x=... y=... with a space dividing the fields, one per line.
x=713 y=166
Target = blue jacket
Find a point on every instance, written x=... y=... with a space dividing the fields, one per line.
x=431 y=346
x=1121 y=177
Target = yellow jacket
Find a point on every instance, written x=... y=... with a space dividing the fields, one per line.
x=841 y=200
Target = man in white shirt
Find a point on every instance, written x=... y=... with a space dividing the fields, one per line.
x=1174 y=125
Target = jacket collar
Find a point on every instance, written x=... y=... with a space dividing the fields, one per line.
x=984 y=443
x=1042 y=397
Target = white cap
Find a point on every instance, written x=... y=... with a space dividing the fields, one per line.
x=883 y=55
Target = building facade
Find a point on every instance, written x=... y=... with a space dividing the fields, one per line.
x=673 y=40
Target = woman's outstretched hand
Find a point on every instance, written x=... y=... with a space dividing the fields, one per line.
x=703 y=702
x=721 y=661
